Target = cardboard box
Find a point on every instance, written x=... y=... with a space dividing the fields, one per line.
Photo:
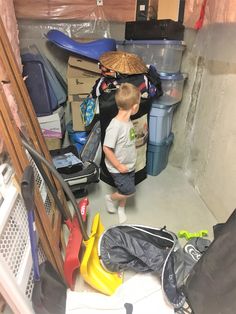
x=77 y=121
x=77 y=97
x=73 y=72
x=53 y=143
x=81 y=76
x=170 y=9
x=80 y=85
x=53 y=126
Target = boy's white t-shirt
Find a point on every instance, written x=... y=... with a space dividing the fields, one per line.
x=120 y=136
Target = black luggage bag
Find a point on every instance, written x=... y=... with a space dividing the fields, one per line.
x=86 y=170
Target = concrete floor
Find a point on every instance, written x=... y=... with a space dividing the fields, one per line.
x=164 y=200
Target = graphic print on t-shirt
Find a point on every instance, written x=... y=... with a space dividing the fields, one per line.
x=132 y=134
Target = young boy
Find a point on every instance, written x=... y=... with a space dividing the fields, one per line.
x=119 y=148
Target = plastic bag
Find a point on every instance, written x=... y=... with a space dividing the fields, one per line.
x=88 y=107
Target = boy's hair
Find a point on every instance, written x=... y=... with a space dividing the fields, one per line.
x=127 y=95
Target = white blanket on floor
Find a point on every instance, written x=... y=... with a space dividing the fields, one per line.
x=143 y=291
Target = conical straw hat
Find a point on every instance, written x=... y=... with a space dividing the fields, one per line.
x=123 y=62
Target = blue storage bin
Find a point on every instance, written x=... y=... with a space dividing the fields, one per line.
x=78 y=137
x=157 y=156
x=160 y=123
x=172 y=86
x=78 y=147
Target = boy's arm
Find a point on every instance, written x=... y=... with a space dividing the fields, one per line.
x=109 y=153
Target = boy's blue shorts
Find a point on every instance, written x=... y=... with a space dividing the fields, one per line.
x=124 y=182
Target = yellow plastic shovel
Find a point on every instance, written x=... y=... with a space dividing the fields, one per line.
x=91 y=269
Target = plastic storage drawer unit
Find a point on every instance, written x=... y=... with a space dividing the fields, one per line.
x=165 y=55
x=157 y=156
x=160 y=123
x=172 y=86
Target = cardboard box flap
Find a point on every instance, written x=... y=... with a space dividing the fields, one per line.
x=77 y=121
x=73 y=72
x=77 y=97
x=84 y=64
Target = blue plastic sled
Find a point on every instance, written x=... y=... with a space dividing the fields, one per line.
x=92 y=50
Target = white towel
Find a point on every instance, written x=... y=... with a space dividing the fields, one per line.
x=143 y=291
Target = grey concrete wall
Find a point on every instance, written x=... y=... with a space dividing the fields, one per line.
x=205 y=128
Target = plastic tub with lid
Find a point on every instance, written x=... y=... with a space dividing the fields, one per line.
x=172 y=86
x=165 y=55
x=160 y=122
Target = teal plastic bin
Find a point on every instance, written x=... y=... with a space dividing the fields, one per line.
x=160 y=123
x=157 y=156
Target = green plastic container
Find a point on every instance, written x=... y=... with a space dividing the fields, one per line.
x=157 y=156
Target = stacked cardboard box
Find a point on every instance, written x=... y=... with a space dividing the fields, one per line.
x=53 y=128
x=81 y=77
x=171 y=9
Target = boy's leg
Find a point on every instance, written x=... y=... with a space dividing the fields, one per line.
x=109 y=199
x=110 y=207
x=121 y=215
x=121 y=209
x=122 y=203
x=126 y=188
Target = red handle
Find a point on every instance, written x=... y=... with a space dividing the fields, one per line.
x=83 y=207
